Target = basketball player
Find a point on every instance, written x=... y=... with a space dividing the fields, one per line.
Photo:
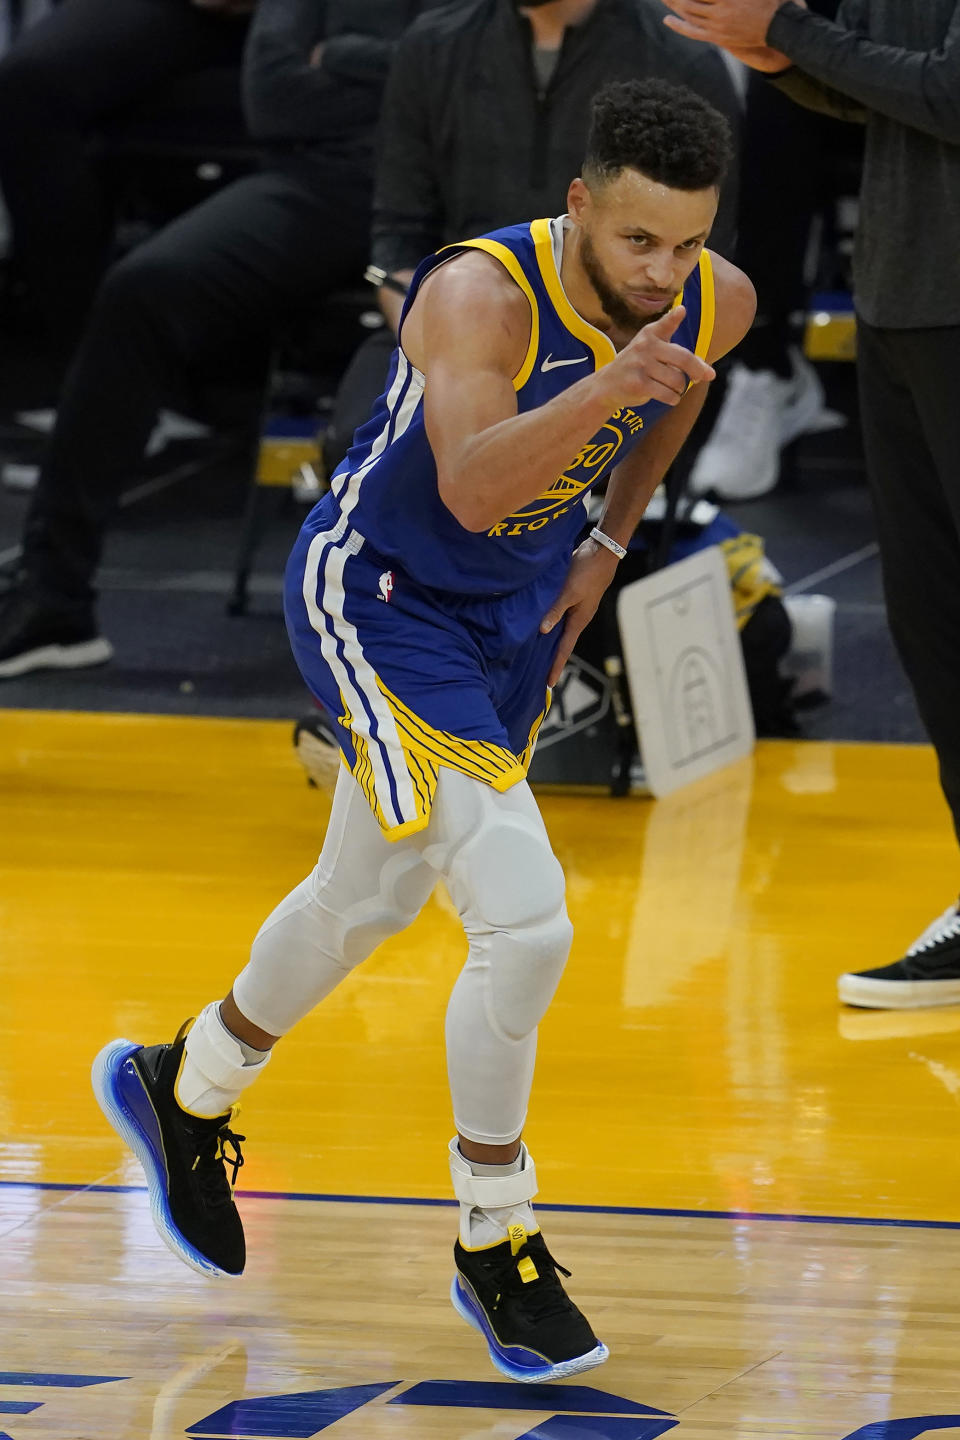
x=424 y=602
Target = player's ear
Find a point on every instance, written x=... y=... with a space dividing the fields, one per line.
x=578 y=198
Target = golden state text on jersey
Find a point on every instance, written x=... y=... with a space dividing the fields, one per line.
x=387 y=485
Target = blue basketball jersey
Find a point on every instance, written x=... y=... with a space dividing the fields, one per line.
x=422 y=640
x=386 y=488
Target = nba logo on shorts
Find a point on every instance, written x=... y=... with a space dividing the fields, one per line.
x=386 y=586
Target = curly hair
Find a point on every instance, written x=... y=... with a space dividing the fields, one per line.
x=666 y=131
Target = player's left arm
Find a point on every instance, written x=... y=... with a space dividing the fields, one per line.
x=636 y=478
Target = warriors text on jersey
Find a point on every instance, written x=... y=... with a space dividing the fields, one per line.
x=422 y=638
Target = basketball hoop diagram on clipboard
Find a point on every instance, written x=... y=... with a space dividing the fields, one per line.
x=685 y=671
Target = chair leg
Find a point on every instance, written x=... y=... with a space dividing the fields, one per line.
x=249 y=543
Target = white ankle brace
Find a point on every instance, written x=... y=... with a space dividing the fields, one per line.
x=492 y=1192
x=213 y=1072
x=490 y=1204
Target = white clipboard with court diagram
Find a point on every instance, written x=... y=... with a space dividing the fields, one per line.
x=685 y=670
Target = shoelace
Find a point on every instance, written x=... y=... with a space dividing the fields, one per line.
x=945 y=927
x=542 y=1297
x=212 y=1162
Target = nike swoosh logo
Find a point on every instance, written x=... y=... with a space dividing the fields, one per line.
x=551 y=364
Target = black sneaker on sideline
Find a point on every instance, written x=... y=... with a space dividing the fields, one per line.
x=183 y=1156
x=928 y=974
x=36 y=634
x=512 y=1294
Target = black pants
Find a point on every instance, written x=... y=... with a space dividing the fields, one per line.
x=792 y=162
x=202 y=301
x=911 y=431
x=788 y=170
x=65 y=80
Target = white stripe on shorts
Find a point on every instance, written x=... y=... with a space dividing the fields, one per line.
x=354 y=675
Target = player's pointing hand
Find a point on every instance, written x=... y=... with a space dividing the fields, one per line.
x=652 y=367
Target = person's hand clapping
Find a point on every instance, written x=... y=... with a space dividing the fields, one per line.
x=739 y=26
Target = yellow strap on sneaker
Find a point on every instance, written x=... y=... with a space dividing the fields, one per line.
x=518 y=1238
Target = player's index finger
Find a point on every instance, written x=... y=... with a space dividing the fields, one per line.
x=666 y=325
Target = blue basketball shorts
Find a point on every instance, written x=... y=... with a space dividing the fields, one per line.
x=415 y=679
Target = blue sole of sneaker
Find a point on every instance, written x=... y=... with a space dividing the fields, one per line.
x=468 y=1310
x=148 y=1147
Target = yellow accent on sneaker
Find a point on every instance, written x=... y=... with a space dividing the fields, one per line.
x=492 y=1244
x=517 y=1236
x=528 y=1271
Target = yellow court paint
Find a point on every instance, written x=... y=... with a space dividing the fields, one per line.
x=695 y=1057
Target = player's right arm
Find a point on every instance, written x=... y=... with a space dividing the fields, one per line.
x=468 y=332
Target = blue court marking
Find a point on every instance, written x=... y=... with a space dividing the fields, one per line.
x=571 y=1411
x=504 y=1395
x=60 y=1382
x=654 y=1210
x=288 y=1417
x=19 y=1407
x=598 y=1427
x=904 y=1429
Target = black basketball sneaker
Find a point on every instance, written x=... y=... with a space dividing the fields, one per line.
x=928 y=974
x=184 y=1157
x=512 y=1294
x=39 y=632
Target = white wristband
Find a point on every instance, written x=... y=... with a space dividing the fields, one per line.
x=612 y=545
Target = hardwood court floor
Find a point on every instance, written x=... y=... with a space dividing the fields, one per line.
x=695 y=1061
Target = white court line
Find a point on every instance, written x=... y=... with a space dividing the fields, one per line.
x=827 y=572
x=66 y=1198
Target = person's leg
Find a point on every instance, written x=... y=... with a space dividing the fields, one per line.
x=172 y=1103
x=212 y=286
x=911 y=432
x=64 y=77
x=931 y=647
x=495 y=858
x=780 y=188
x=772 y=393
x=493 y=853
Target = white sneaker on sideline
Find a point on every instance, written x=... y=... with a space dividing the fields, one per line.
x=760 y=415
x=741 y=459
x=42 y=421
x=15 y=476
x=805 y=412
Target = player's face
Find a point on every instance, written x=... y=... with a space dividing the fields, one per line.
x=639 y=241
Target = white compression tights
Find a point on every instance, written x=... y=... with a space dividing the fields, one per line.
x=493 y=853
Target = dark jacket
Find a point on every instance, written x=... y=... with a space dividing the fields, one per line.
x=895 y=65
x=468 y=144
x=334 y=106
